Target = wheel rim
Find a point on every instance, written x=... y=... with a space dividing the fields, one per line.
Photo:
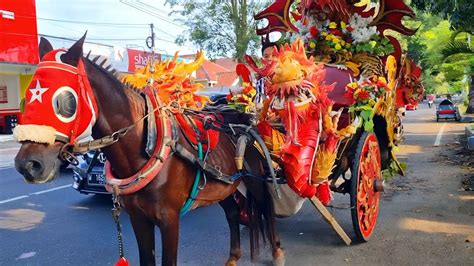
x=367 y=198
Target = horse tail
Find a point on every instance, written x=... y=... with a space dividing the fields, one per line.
x=254 y=225
x=261 y=220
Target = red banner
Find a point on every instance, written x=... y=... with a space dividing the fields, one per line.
x=18 y=32
x=138 y=59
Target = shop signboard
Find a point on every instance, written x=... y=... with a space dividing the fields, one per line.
x=138 y=58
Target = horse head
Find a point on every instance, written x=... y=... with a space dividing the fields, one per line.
x=60 y=109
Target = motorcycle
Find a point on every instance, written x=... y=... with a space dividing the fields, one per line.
x=430 y=103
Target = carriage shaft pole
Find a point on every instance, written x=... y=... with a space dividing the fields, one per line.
x=330 y=219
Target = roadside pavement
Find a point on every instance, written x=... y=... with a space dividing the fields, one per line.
x=467 y=118
x=6 y=137
x=8 y=150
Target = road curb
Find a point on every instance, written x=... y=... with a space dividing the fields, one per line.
x=5 y=138
x=467 y=119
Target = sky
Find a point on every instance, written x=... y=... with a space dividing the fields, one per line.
x=52 y=14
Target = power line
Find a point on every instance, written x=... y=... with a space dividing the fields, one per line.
x=125 y=25
x=58 y=25
x=98 y=23
x=131 y=25
x=92 y=39
x=150 y=10
x=127 y=39
x=69 y=39
x=67 y=28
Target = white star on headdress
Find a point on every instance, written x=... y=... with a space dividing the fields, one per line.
x=37 y=92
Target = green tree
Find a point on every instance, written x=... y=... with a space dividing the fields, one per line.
x=459 y=12
x=457 y=55
x=219 y=27
x=442 y=73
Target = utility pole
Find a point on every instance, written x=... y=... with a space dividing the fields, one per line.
x=150 y=41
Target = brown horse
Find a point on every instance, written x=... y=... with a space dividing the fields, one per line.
x=159 y=202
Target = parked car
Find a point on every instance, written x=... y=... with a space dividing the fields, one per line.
x=446 y=110
x=89 y=174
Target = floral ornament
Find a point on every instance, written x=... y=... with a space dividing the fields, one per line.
x=367 y=91
x=361 y=31
x=242 y=100
x=365 y=96
x=335 y=42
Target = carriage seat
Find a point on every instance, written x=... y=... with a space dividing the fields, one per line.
x=193 y=129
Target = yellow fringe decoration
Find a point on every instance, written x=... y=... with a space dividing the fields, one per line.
x=323 y=165
x=172 y=80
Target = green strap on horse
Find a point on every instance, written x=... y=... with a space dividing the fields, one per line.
x=195 y=189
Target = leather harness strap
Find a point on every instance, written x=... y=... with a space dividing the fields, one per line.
x=215 y=172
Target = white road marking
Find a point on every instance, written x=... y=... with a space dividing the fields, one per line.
x=13 y=199
x=34 y=193
x=440 y=134
x=26 y=255
x=49 y=190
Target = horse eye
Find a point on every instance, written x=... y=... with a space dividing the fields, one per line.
x=65 y=104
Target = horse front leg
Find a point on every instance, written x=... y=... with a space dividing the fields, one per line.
x=145 y=235
x=232 y=213
x=169 y=228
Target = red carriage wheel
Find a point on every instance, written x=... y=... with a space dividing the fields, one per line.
x=366 y=185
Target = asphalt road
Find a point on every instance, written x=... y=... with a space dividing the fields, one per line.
x=425 y=219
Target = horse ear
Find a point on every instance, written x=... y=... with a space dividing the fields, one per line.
x=44 y=47
x=74 y=53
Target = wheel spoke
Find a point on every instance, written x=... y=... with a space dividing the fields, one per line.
x=367 y=198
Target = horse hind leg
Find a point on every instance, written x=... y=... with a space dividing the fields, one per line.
x=272 y=234
x=232 y=214
x=262 y=220
x=277 y=252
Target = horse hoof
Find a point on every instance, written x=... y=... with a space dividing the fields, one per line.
x=280 y=261
x=231 y=263
x=278 y=258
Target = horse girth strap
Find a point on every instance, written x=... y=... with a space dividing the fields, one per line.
x=216 y=173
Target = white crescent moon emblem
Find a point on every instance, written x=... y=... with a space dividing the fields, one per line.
x=58 y=56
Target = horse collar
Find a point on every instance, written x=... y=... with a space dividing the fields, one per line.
x=160 y=153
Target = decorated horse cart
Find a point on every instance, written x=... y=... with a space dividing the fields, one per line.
x=323 y=101
x=336 y=83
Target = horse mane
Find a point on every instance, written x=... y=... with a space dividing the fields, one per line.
x=110 y=72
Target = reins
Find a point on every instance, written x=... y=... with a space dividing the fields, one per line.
x=68 y=150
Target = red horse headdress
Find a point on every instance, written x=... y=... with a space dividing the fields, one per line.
x=59 y=103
